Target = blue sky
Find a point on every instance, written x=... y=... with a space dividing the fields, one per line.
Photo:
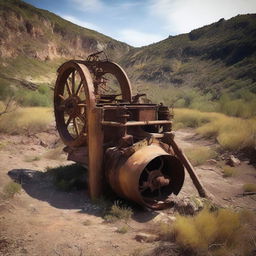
x=140 y=22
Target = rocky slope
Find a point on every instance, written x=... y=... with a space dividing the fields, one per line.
x=26 y=30
x=217 y=58
x=34 y=42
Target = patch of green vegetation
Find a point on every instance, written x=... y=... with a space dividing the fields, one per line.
x=22 y=120
x=122 y=230
x=230 y=132
x=199 y=155
x=69 y=177
x=10 y=189
x=229 y=171
x=221 y=232
x=250 y=187
x=118 y=212
x=32 y=158
x=86 y=222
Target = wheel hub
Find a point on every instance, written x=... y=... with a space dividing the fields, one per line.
x=71 y=106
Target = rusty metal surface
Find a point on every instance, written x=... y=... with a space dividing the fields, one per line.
x=140 y=178
x=125 y=142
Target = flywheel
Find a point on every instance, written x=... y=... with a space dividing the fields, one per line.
x=79 y=87
x=73 y=96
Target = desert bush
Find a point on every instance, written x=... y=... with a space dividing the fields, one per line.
x=231 y=133
x=198 y=155
x=249 y=187
x=34 y=98
x=55 y=153
x=69 y=177
x=118 y=212
x=229 y=171
x=244 y=106
x=213 y=233
x=32 y=158
x=122 y=230
x=33 y=119
x=10 y=189
x=190 y=118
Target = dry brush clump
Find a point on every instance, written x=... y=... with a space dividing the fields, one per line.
x=26 y=120
x=215 y=233
x=232 y=133
x=199 y=155
x=118 y=212
x=10 y=189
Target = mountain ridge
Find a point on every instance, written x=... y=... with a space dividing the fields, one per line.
x=212 y=64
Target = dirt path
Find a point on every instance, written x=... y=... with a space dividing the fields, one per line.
x=44 y=221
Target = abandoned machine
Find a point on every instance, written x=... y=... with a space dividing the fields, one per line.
x=126 y=145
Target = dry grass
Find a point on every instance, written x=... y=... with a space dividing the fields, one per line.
x=250 y=187
x=229 y=171
x=198 y=155
x=122 y=230
x=55 y=153
x=32 y=158
x=118 y=212
x=10 y=189
x=213 y=233
x=32 y=119
x=230 y=132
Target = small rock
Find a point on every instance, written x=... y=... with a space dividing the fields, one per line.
x=43 y=144
x=212 y=161
x=144 y=237
x=233 y=161
x=164 y=218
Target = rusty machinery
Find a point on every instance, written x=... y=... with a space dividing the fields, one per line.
x=125 y=144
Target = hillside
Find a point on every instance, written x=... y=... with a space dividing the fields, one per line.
x=215 y=59
x=212 y=68
x=33 y=42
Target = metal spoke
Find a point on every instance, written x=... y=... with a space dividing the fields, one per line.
x=68 y=87
x=61 y=96
x=82 y=118
x=73 y=82
x=76 y=127
x=69 y=120
x=79 y=87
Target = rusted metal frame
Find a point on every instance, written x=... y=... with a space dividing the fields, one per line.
x=94 y=138
x=135 y=123
x=169 y=139
x=118 y=72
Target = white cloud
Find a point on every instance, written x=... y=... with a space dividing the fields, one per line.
x=80 y=22
x=88 y=5
x=137 y=38
x=181 y=16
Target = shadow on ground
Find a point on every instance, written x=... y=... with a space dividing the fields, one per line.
x=40 y=185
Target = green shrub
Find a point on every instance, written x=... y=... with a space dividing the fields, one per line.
x=230 y=132
x=249 y=187
x=213 y=233
x=33 y=119
x=11 y=189
x=122 y=230
x=29 y=98
x=118 y=212
x=199 y=155
x=69 y=177
x=229 y=171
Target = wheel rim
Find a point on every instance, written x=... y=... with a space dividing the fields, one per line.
x=71 y=104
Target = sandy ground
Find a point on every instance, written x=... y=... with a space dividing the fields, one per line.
x=44 y=221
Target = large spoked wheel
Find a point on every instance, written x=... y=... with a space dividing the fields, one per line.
x=71 y=101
